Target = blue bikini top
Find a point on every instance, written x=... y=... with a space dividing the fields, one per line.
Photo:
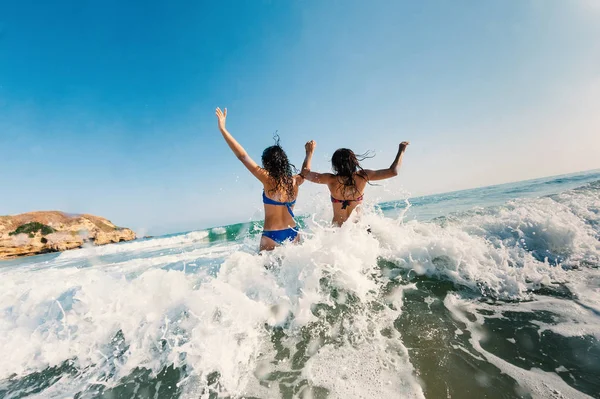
x=269 y=201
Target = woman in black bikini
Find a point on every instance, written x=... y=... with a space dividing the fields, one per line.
x=280 y=188
x=348 y=184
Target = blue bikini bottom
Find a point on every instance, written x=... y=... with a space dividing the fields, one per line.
x=280 y=236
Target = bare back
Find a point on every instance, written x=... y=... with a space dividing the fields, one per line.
x=278 y=217
x=348 y=198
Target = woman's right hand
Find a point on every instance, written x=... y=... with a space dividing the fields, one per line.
x=310 y=146
x=403 y=145
x=221 y=116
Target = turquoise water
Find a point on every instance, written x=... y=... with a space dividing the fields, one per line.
x=491 y=292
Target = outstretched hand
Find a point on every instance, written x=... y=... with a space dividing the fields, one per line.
x=221 y=116
x=310 y=146
x=403 y=145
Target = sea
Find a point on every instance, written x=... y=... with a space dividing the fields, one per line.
x=492 y=292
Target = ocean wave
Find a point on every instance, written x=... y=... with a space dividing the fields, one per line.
x=347 y=312
x=137 y=245
x=505 y=251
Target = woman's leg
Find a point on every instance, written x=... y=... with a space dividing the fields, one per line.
x=266 y=244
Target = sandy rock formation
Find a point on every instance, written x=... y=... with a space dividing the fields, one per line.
x=103 y=238
x=62 y=232
x=62 y=241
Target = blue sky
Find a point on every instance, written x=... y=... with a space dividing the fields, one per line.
x=108 y=108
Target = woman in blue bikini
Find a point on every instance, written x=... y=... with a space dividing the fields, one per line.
x=280 y=188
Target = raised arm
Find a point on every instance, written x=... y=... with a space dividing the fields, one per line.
x=392 y=171
x=238 y=150
x=319 y=178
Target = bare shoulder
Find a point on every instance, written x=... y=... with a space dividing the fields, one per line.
x=364 y=174
x=328 y=178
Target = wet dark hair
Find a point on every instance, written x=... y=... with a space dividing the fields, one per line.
x=345 y=164
x=275 y=161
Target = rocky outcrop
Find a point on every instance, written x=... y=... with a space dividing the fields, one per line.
x=103 y=238
x=40 y=232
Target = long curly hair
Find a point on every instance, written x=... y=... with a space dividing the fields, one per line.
x=345 y=164
x=275 y=161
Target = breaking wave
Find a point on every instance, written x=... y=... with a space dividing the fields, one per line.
x=470 y=304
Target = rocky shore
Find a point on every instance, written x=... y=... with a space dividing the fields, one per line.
x=52 y=231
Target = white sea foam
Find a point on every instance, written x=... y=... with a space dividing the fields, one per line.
x=74 y=313
x=536 y=382
x=498 y=251
x=137 y=245
x=219 y=230
x=223 y=322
